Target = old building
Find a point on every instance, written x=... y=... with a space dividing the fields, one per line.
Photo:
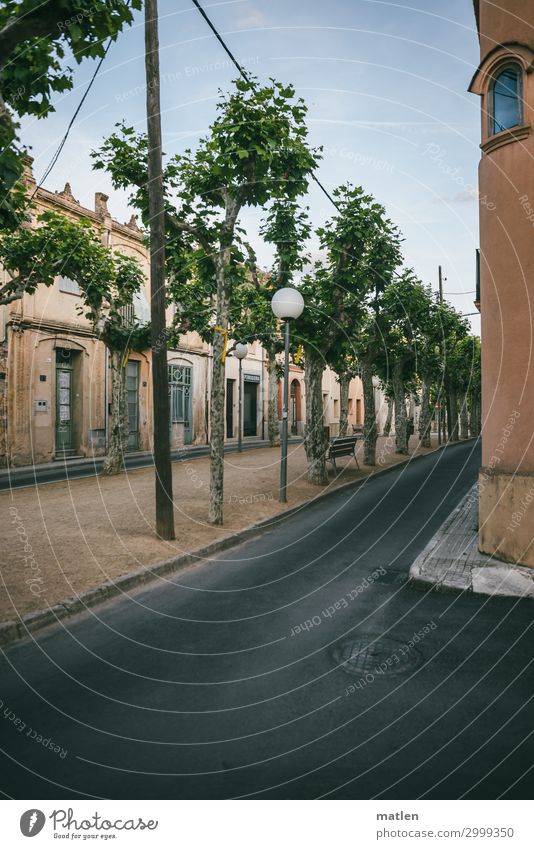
x=505 y=84
x=55 y=372
x=55 y=375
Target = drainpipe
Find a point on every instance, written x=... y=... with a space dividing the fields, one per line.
x=106 y=400
x=206 y=397
x=262 y=392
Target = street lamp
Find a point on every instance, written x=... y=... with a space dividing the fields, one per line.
x=286 y=304
x=241 y=352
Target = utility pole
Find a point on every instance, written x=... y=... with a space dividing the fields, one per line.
x=160 y=383
x=441 y=411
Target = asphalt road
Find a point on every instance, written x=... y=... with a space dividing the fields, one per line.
x=208 y=686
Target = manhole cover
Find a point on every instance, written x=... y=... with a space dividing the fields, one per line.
x=375 y=655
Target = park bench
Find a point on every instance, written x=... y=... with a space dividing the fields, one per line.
x=343 y=446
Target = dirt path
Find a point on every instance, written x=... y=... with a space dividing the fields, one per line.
x=59 y=539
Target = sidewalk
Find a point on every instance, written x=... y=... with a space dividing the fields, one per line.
x=451 y=560
x=60 y=540
x=82 y=467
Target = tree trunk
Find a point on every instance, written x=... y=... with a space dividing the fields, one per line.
x=389 y=418
x=401 y=422
x=215 y=514
x=118 y=437
x=464 y=419
x=273 y=426
x=370 y=432
x=425 y=418
x=314 y=439
x=452 y=414
x=344 y=385
x=474 y=417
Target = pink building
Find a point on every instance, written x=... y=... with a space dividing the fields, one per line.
x=504 y=80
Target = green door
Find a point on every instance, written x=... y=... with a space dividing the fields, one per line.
x=63 y=407
x=132 y=390
x=250 y=403
x=180 y=398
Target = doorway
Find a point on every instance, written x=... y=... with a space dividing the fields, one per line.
x=180 y=398
x=64 y=401
x=294 y=406
x=250 y=406
x=132 y=391
x=230 y=408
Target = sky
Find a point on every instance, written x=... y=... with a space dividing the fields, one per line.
x=386 y=86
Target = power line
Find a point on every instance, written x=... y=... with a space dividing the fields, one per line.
x=62 y=143
x=221 y=41
x=246 y=77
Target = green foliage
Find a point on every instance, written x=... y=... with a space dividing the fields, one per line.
x=256 y=152
x=36 y=41
x=108 y=280
x=405 y=308
x=362 y=249
x=286 y=226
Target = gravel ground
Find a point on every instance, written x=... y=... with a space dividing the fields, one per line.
x=59 y=539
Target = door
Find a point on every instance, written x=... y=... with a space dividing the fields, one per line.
x=63 y=401
x=180 y=382
x=132 y=391
x=293 y=406
x=230 y=408
x=250 y=403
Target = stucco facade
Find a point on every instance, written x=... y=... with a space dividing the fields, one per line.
x=51 y=355
x=505 y=83
x=55 y=375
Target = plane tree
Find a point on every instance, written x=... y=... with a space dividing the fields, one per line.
x=256 y=151
x=286 y=227
x=335 y=294
x=405 y=307
x=35 y=39
x=369 y=335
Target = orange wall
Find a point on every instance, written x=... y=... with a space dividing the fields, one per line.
x=506 y=180
x=505 y=21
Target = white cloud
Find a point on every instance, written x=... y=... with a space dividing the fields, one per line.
x=253 y=17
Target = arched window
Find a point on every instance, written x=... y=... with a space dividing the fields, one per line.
x=505 y=100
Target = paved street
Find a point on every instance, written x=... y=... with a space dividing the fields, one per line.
x=297 y=665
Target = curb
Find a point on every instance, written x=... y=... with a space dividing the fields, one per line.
x=420 y=581
x=13 y=631
x=482 y=574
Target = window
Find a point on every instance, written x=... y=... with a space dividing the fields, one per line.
x=336 y=408
x=68 y=285
x=505 y=100
x=180 y=391
x=127 y=313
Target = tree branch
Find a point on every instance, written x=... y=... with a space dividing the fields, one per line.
x=39 y=22
x=17 y=283
x=184 y=227
x=253 y=264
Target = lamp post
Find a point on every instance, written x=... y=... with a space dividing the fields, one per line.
x=286 y=304
x=241 y=352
